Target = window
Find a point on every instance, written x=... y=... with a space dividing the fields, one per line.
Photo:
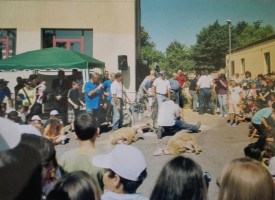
x=7 y=43
x=267 y=63
x=243 y=65
x=232 y=68
x=79 y=40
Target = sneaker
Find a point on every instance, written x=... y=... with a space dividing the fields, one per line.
x=234 y=125
x=225 y=115
x=160 y=132
x=229 y=123
x=198 y=125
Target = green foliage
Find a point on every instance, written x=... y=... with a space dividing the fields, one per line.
x=179 y=56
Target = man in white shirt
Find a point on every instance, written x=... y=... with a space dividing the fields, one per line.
x=117 y=102
x=161 y=88
x=204 y=85
x=169 y=118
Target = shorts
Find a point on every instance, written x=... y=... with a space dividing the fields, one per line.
x=234 y=109
x=71 y=115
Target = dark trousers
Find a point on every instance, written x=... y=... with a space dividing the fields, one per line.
x=205 y=100
x=260 y=128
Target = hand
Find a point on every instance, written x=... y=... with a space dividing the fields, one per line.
x=75 y=106
x=58 y=97
x=99 y=86
x=118 y=107
x=105 y=105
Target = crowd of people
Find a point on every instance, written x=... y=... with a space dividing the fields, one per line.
x=30 y=170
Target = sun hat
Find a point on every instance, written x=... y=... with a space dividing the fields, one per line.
x=126 y=161
x=9 y=134
x=54 y=112
x=162 y=72
x=36 y=118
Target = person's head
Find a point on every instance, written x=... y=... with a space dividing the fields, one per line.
x=86 y=127
x=106 y=74
x=222 y=76
x=74 y=72
x=19 y=79
x=54 y=114
x=152 y=72
x=179 y=72
x=180 y=178
x=61 y=74
x=244 y=179
x=125 y=169
x=163 y=74
x=237 y=75
x=198 y=74
x=20 y=165
x=233 y=82
x=76 y=185
x=13 y=115
x=174 y=75
x=94 y=77
x=118 y=77
x=33 y=78
x=263 y=82
x=205 y=72
x=247 y=74
x=112 y=76
x=28 y=84
x=3 y=84
x=75 y=85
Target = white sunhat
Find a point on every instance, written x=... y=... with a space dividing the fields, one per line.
x=36 y=118
x=54 y=112
x=9 y=134
x=126 y=161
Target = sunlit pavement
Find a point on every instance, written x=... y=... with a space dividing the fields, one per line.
x=219 y=142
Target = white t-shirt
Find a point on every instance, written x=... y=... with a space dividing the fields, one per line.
x=235 y=95
x=168 y=113
x=205 y=81
x=116 y=88
x=161 y=85
x=114 y=196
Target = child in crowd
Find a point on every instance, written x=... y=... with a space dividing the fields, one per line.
x=74 y=103
x=41 y=88
x=21 y=112
x=235 y=102
x=86 y=132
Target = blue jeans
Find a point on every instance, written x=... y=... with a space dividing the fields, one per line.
x=95 y=113
x=205 y=99
x=160 y=98
x=181 y=125
x=194 y=96
x=117 y=115
x=222 y=101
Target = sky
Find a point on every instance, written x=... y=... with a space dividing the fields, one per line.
x=182 y=20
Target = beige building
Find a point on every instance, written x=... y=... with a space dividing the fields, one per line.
x=257 y=57
x=101 y=29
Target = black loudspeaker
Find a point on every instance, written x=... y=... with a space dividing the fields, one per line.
x=122 y=62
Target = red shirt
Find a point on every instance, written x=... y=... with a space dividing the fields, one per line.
x=181 y=79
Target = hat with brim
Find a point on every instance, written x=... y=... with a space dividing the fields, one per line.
x=3 y=82
x=162 y=72
x=54 y=112
x=9 y=134
x=126 y=161
x=36 y=118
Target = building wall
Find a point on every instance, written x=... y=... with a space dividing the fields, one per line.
x=254 y=58
x=112 y=21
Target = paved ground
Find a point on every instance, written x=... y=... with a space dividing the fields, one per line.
x=219 y=143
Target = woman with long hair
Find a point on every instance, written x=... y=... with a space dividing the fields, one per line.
x=180 y=179
x=244 y=179
x=55 y=132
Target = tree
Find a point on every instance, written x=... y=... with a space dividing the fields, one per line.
x=211 y=47
x=148 y=50
x=179 y=56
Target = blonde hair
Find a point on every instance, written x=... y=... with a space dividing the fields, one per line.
x=244 y=179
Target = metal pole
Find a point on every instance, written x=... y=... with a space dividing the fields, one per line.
x=229 y=41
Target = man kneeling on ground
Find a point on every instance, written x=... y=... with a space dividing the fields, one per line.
x=169 y=119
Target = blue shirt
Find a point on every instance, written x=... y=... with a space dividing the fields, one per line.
x=92 y=102
x=107 y=88
x=263 y=113
x=5 y=92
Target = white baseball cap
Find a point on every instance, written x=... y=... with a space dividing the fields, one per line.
x=9 y=134
x=36 y=118
x=126 y=161
x=54 y=112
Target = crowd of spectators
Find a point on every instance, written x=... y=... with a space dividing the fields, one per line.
x=29 y=168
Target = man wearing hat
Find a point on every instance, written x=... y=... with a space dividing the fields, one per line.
x=4 y=91
x=60 y=87
x=161 y=88
x=125 y=170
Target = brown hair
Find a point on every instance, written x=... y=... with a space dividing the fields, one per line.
x=244 y=179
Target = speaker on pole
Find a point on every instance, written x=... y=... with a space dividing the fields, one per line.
x=122 y=62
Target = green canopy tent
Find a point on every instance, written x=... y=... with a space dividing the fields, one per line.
x=49 y=58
